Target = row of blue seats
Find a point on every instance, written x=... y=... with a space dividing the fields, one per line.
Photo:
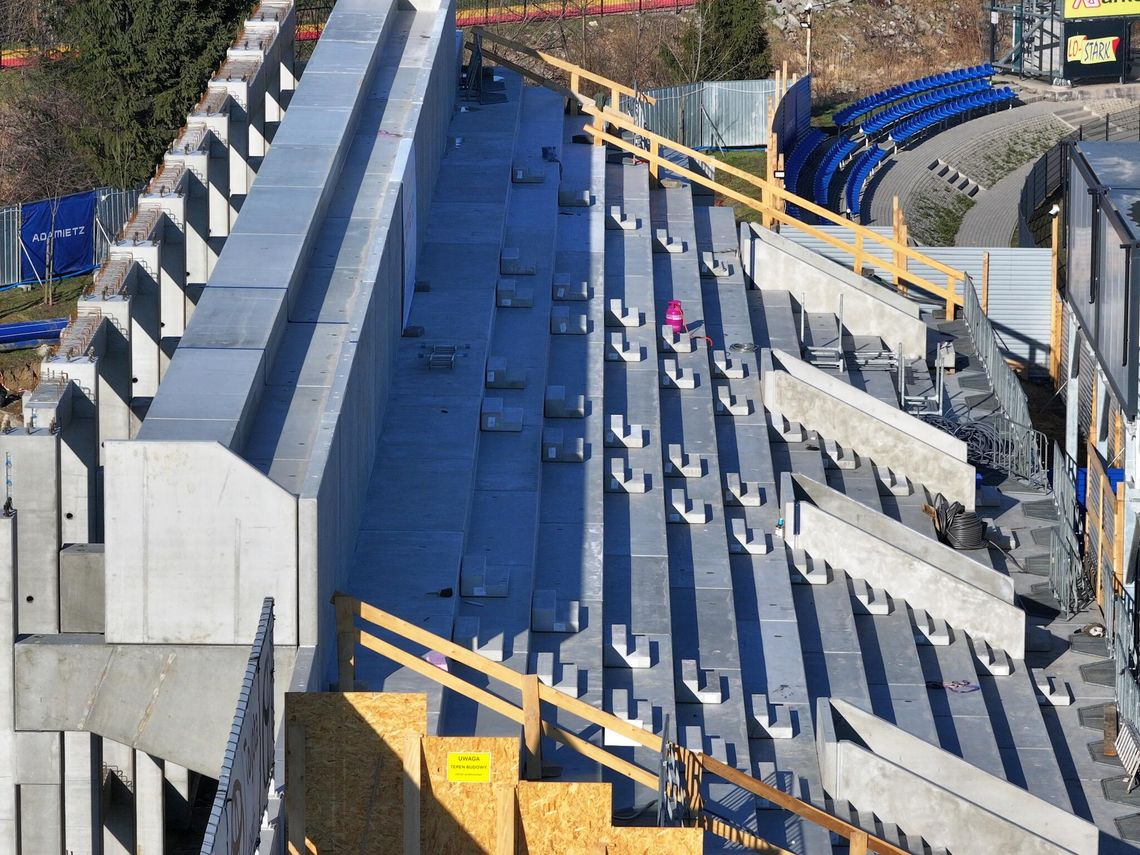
x=918 y=124
x=797 y=160
x=883 y=120
x=821 y=188
x=864 y=106
x=865 y=164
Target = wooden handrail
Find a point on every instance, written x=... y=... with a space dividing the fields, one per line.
x=947 y=292
x=774 y=198
x=791 y=803
x=348 y=608
x=575 y=71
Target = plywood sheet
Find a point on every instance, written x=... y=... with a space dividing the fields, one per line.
x=353 y=767
x=654 y=841
x=461 y=817
x=563 y=819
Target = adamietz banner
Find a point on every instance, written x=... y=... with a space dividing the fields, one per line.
x=1094 y=49
x=57 y=237
x=1100 y=8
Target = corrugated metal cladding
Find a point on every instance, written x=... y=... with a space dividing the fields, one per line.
x=1086 y=384
x=720 y=114
x=1019 y=293
x=1104 y=179
x=1067 y=325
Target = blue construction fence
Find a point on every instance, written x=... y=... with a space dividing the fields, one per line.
x=62 y=236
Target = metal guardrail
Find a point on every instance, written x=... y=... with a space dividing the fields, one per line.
x=1068 y=579
x=113 y=208
x=997 y=443
x=1006 y=386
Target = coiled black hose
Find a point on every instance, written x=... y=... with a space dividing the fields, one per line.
x=958 y=527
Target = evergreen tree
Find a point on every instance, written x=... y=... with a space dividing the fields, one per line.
x=725 y=40
x=138 y=66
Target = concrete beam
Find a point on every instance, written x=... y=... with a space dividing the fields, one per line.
x=922 y=585
x=171 y=701
x=926 y=549
x=934 y=794
x=857 y=420
x=775 y=263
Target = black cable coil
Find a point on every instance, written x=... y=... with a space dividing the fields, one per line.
x=958 y=527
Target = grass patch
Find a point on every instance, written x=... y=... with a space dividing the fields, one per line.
x=823 y=115
x=755 y=162
x=939 y=217
x=17 y=367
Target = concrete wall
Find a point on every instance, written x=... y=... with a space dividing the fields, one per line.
x=933 y=793
x=859 y=421
x=196 y=539
x=904 y=537
x=922 y=585
x=774 y=263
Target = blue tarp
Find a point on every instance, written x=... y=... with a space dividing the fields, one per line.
x=60 y=230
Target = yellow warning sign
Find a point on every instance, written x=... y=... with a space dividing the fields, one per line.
x=469 y=767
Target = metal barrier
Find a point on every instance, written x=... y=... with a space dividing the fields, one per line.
x=1068 y=579
x=687 y=769
x=1007 y=388
x=997 y=443
x=113 y=208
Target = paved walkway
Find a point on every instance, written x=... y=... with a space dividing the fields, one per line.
x=905 y=173
x=994 y=216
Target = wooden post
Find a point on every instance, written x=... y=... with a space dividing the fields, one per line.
x=295 y=788
x=1111 y=729
x=858 y=843
x=1118 y=535
x=654 y=155
x=505 y=822
x=532 y=727
x=413 y=764
x=904 y=285
x=857 y=261
x=896 y=224
x=986 y=282
x=346 y=638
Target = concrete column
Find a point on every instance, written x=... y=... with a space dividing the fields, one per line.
x=240 y=173
x=8 y=824
x=119 y=799
x=218 y=171
x=197 y=211
x=254 y=102
x=179 y=795
x=150 y=815
x=145 y=331
x=172 y=273
x=288 y=40
x=113 y=393
x=78 y=464
x=39 y=770
x=31 y=463
x=82 y=794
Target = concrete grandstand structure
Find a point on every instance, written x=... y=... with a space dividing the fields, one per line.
x=437 y=364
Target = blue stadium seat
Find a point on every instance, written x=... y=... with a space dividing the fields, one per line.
x=864 y=107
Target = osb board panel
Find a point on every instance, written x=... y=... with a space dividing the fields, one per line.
x=562 y=819
x=460 y=817
x=654 y=841
x=354 y=776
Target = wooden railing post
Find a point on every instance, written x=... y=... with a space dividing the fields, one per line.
x=346 y=637
x=857 y=261
x=295 y=788
x=859 y=843
x=505 y=823
x=532 y=727
x=412 y=772
x=896 y=223
x=654 y=159
x=904 y=283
